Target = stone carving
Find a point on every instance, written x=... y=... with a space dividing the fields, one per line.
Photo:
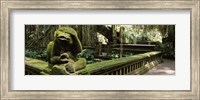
x=62 y=52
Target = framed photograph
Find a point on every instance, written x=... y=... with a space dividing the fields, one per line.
x=99 y=49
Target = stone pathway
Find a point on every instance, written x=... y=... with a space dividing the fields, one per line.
x=165 y=68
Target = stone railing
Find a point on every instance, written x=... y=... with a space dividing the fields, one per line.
x=136 y=64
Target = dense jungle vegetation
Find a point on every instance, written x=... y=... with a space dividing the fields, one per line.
x=97 y=40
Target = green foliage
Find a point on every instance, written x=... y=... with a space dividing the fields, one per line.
x=154 y=35
x=87 y=54
x=140 y=33
x=159 y=46
x=115 y=55
x=30 y=53
x=42 y=54
x=167 y=48
x=168 y=51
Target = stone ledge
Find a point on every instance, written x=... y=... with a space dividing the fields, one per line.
x=39 y=67
x=99 y=67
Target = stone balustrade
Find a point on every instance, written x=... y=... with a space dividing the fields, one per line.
x=132 y=65
x=136 y=64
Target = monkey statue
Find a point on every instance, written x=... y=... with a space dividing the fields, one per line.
x=62 y=52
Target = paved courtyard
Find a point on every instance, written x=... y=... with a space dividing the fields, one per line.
x=165 y=68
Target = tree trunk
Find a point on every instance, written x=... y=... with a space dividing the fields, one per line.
x=114 y=35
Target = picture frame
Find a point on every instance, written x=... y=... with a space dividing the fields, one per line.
x=7 y=6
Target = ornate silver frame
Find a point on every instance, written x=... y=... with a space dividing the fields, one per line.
x=8 y=5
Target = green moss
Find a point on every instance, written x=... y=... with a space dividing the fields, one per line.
x=35 y=65
x=42 y=67
x=113 y=64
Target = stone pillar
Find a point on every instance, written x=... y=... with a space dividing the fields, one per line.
x=121 y=34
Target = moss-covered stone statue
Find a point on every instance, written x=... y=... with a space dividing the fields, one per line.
x=62 y=52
